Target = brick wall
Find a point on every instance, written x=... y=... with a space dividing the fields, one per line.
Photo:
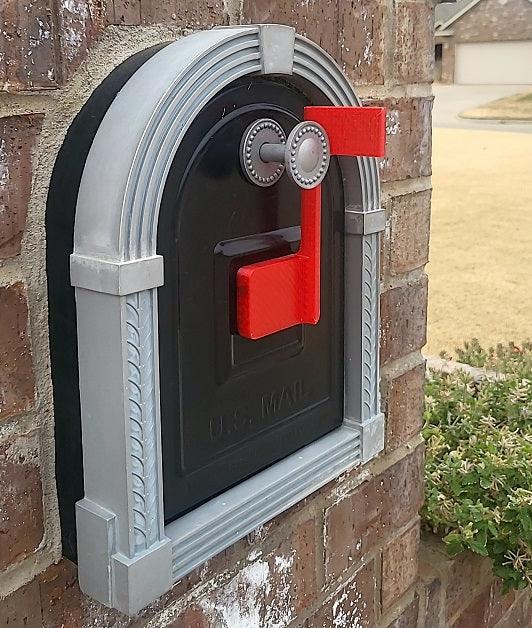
x=347 y=555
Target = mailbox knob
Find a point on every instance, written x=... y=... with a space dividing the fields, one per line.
x=266 y=153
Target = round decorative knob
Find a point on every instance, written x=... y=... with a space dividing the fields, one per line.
x=265 y=153
x=261 y=132
x=307 y=154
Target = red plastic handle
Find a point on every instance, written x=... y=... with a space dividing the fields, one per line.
x=279 y=293
x=285 y=291
x=353 y=131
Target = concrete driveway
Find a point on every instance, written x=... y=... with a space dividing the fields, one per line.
x=450 y=100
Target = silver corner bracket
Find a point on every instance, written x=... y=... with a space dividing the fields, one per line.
x=365 y=223
x=371 y=436
x=125 y=583
x=277 y=48
x=118 y=278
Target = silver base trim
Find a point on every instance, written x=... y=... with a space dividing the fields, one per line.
x=211 y=528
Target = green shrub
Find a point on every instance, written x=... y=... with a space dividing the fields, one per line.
x=508 y=358
x=478 y=478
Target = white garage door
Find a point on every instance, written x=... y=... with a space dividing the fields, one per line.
x=502 y=62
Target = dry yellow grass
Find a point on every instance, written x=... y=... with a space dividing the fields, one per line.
x=516 y=107
x=480 y=266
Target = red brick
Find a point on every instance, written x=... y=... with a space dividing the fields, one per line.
x=409 y=138
x=403 y=484
x=467 y=572
x=520 y=614
x=315 y=19
x=359 y=521
x=62 y=600
x=353 y=605
x=433 y=611
x=451 y=583
x=474 y=615
x=80 y=23
x=352 y=527
x=195 y=14
x=431 y=604
x=361 y=36
x=21 y=514
x=193 y=617
x=271 y=590
x=16 y=374
x=53 y=600
x=399 y=565
x=65 y=606
x=18 y=136
x=409 y=232
x=488 y=608
x=189 y=13
x=22 y=608
x=404 y=406
x=403 y=320
x=499 y=604
x=27 y=45
x=123 y=12
x=413 y=60
x=408 y=617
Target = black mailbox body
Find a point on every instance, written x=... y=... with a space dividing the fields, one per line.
x=231 y=406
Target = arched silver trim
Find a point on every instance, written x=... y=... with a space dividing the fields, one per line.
x=167 y=93
x=127 y=556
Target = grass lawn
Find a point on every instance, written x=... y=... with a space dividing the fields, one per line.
x=480 y=266
x=516 y=107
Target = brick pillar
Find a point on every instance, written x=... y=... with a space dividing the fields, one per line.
x=347 y=553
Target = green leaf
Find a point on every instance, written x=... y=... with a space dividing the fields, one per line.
x=478 y=546
x=454 y=543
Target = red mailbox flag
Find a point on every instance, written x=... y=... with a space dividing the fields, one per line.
x=279 y=293
x=352 y=131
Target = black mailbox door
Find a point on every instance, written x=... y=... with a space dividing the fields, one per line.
x=232 y=406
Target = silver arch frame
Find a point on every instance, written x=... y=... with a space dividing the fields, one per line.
x=127 y=556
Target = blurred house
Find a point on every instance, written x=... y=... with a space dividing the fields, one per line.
x=484 y=42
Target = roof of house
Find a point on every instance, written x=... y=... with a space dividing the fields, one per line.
x=447 y=12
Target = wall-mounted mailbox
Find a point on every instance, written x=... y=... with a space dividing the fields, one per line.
x=226 y=270
x=251 y=312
